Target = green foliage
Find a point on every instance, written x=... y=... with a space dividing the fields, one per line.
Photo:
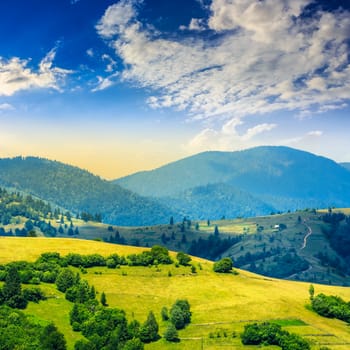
x=272 y=334
x=134 y=344
x=149 y=330
x=171 y=333
x=65 y=280
x=52 y=339
x=183 y=259
x=80 y=191
x=164 y=313
x=161 y=254
x=331 y=306
x=180 y=314
x=103 y=299
x=33 y=294
x=18 y=332
x=79 y=292
x=12 y=286
x=311 y=292
x=106 y=327
x=223 y=266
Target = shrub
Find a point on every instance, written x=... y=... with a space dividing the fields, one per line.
x=223 y=266
x=171 y=333
x=65 y=280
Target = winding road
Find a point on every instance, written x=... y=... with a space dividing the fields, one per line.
x=309 y=233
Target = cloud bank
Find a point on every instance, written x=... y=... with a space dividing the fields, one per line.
x=15 y=75
x=247 y=57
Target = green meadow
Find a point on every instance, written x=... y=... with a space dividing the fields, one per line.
x=221 y=304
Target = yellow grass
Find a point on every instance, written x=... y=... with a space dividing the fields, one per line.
x=16 y=248
x=218 y=301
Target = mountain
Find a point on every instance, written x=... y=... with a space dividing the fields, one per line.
x=78 y=190
x=345 y=165
x=217 y=201
x=280 y=177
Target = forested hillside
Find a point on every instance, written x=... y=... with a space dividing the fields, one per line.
x=78 y=190
x=280 y=177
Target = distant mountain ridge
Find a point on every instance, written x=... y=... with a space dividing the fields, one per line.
x=280 y=177
x=78 y=190
x=345 y=165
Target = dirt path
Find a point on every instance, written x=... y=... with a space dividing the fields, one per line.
x=309 y=233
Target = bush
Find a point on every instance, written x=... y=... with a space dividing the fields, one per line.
x=171 y=333
x=272 y=334
x=183 y=258
x=33 y=294
x=223 y=266
x=331 y=306
x=180 y=314
x=65 y=280
x=149 y=330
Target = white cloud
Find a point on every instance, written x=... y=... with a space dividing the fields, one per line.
x=316 y=133
x=15 y=75
x=105 y=83
x=227 y=138
x=90 y=52
x=111 y=63
x=268 y=58
x=6 y=107
x=197 y=24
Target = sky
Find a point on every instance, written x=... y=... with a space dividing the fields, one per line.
x=117 y=87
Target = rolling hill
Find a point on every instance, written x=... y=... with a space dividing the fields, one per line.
x=78 y=190
x=280 y=177
x=221 y=304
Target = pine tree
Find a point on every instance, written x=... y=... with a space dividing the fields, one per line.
x=12 y=286
x=149 y=330
x=103 y=299
x=52 y=339
x=171 y=333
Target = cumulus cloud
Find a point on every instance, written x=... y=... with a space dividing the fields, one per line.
x=316 y=133
x=15 y=75
x=6 y=107
x=265 y=56
x=227 y=138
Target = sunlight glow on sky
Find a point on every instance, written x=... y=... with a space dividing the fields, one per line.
x=117 y=87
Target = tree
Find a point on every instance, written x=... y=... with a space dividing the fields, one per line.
x=103 y=299
x=12 y=286
x=171 y=221
x=65 y=280
x=149 y=330
x=134 y=344
x=180 y=314
x=171 y=333
x=223 y=266
x=164 y=313
x=177 y=317
x=311 y=292
x=52 y=339
x=183 y=258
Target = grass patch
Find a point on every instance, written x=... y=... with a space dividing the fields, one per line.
x=219 y=302
x=289 y=322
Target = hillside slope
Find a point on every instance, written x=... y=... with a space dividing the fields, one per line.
x=78 y=190
x=220 y=304
x=281 y=177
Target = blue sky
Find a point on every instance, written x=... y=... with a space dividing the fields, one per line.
x=121 y=86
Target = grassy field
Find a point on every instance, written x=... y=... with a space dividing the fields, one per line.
x=221 y=304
